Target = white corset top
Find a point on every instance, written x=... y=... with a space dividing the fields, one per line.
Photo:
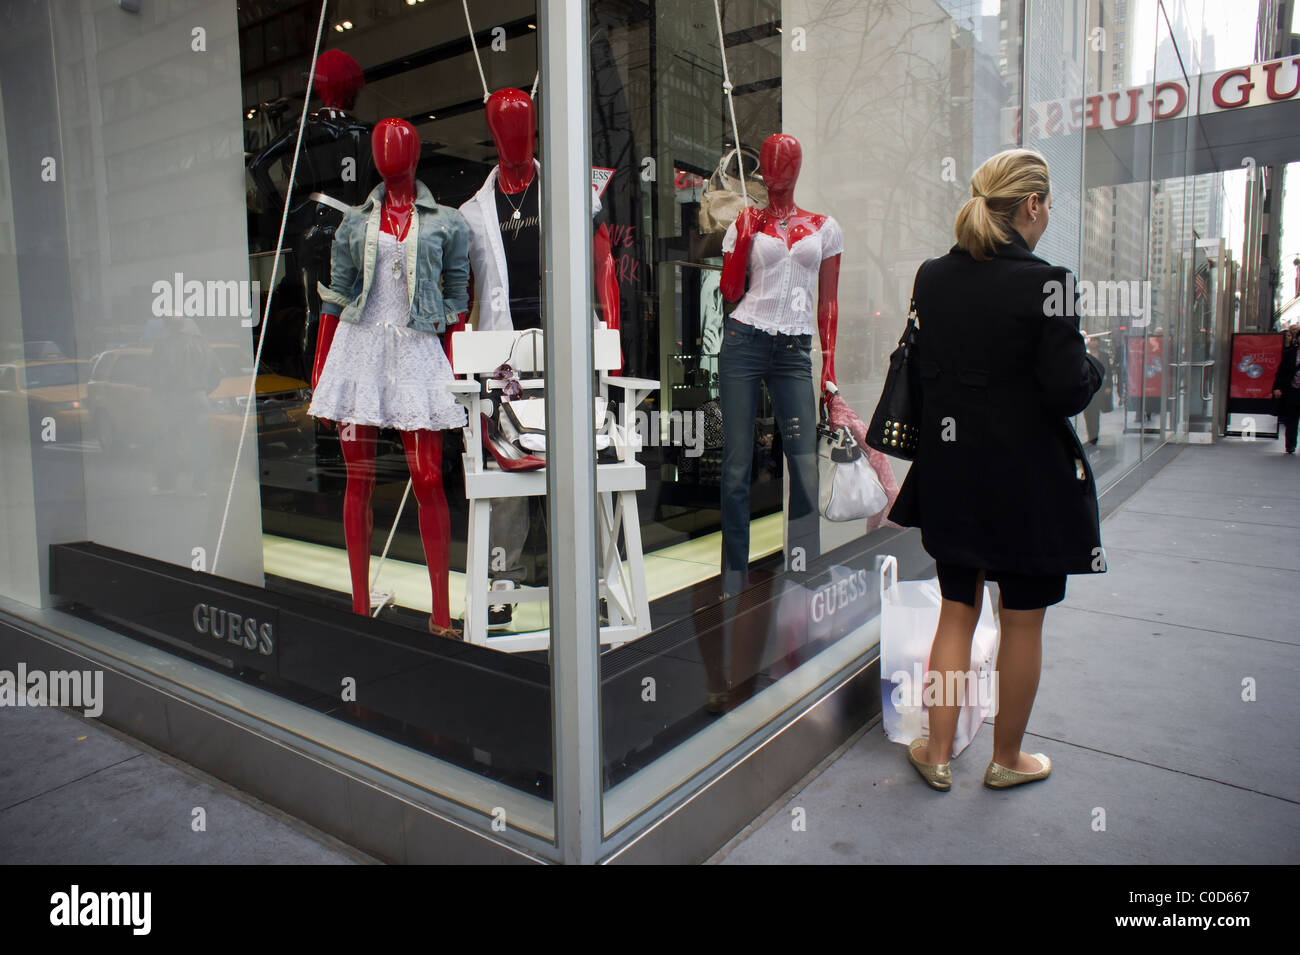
x=782 y=295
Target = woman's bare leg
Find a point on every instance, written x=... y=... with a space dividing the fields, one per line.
x=1020 y=658
x=950 y=652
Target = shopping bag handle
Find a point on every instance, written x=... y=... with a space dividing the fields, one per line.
x=890 y=563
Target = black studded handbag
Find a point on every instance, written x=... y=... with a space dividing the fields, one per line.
x=896 y=425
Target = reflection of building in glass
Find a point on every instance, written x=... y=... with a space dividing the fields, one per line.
x=1054 y=70
x=1114 y=216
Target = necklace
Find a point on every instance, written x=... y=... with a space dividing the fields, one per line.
x=517 y=214
x=783 y=221
x=392 y=223
x=398 y=266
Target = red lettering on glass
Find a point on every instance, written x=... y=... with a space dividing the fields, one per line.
x=1133 y=96
x=1094 y=111
x=1053 y=119
x=1076 y=113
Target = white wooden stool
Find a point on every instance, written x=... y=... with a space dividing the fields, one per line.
x=475 y=355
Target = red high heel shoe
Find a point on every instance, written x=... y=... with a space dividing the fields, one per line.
x=506 y=455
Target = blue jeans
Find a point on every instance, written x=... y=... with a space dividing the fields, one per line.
x=784 y=362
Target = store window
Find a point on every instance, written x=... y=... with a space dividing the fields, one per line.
x=277 y=402
x=1118 y=202
x=271 y=450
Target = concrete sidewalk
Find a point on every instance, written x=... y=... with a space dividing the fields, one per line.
x=1140 y=704
x=74 y=792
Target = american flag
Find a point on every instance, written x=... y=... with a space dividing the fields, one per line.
x=1201 y=282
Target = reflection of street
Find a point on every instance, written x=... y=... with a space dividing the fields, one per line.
x=1108 y=452
x=123 y=509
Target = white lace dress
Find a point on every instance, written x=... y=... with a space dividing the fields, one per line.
x=379 y=372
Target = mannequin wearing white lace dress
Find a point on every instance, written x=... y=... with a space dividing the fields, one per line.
x=380 y=372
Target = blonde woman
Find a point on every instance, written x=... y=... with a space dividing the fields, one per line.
x=1000 y=487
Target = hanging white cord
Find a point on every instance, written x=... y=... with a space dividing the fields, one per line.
x=731 y=106
x=384 y=556
x=275 y=265
x=474 y=46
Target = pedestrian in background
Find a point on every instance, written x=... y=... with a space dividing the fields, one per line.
x=1286 y=388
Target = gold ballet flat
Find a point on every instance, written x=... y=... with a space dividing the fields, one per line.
x=1000 y=777
x=937 y=775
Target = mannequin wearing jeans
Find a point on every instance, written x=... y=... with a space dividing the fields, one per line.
x=783 y=251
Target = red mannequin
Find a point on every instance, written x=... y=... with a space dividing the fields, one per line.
x=337 y=80
x=780 y=159
x=396 y=149
x=511 y=120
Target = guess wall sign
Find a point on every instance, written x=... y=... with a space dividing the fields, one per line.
x=1260 y=84
x=231 y=626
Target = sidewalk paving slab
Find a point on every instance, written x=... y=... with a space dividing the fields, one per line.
x=74 y=793
x=1140 y=704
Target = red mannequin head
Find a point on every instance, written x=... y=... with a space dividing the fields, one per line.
x=513 y=124
x=397 y=149
x=780 y=160
x=337 y=80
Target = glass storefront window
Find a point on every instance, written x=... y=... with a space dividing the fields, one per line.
x=283 y=218
x=285 y=353
x=1116 y=223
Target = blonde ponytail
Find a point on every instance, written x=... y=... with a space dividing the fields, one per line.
x=997 y=189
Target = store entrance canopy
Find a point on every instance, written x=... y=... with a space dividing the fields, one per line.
x=1243 y=117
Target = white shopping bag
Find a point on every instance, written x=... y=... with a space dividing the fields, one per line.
x=909 y=616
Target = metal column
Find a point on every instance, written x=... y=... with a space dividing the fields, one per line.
x=571 y=454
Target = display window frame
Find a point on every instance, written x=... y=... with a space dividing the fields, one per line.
x=610 y=770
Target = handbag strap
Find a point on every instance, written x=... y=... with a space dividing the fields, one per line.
x=752 y=176
x=841 y=437
x=913 y=319
x=533 y=333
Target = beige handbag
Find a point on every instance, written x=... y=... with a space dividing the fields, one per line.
x=722 y=201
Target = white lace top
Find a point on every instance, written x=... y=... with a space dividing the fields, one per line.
x=782 y=294
x=380 y=372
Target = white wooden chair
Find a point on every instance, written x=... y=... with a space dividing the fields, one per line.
x=475 y=355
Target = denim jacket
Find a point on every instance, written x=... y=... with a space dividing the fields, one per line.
x=437 y=265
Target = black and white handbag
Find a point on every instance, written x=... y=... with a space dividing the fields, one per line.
x=848 y=489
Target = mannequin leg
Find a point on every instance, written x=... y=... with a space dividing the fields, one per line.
x=790 y=383
x=424 y=458
x=742 y=361
x=358 y=441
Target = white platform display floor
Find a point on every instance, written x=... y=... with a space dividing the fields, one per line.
x=668 y=570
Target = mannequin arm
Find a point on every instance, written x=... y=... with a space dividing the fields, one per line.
x=607 y=284
x=828 y=316
x=463 y=318
x=606 y=277
x=735 y=262
x=259 y=170
x=324 y=338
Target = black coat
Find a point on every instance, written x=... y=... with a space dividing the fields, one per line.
x=1000 y=480
x=1289 y=403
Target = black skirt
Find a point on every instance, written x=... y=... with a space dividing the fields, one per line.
x=1019 y=591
